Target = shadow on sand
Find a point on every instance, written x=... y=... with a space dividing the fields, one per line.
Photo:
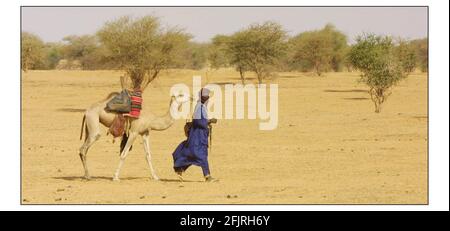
x=178 y=181
x=81 y=178
x=344 y=91
x=109 y=178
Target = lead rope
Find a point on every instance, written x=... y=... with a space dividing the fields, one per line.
x=209 y=128
x=210 y=137
x=187 y=120
x=209 y=125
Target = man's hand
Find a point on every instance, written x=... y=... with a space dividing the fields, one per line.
x=213 y=121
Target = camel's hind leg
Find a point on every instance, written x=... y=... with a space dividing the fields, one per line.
x=132 y=136
x=92 y=135
x=148 y=155
x=83 y=153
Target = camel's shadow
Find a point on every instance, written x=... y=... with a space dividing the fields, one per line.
x=106 y=178
x=93 y=178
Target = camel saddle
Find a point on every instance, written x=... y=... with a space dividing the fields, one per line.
x=117 y=127
x=121 y=103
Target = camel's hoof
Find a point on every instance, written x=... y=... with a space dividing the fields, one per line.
x=116 y=179
x=87 y=177
x=156 y=178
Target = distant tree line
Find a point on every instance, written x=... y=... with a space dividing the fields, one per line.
x=260 y=48
x=143 y=47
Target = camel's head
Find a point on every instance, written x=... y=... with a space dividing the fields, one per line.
x=180 y=98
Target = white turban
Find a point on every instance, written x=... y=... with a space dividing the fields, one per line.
x=203 y=92
x=200 y=109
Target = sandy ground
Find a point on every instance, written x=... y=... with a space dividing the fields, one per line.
x=329 y=148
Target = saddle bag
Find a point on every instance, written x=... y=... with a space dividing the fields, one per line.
x=121 y=103
x=117 y=127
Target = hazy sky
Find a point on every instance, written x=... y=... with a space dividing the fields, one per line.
x=54 y=23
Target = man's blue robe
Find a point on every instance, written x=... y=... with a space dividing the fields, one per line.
x=194 y=150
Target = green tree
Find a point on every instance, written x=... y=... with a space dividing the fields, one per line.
x=340 y=47
x=313 y=51
x=381 y=69
x=32 y=51
x=319 y=50
x=237 y=55
x=346 y=61
x=406 y=54
x=81 y=48
x=224 y=52
x=257 y=48
x=53 y=54
x=421 y=53
x=218 y=55
x=196 y=56
x=142 y=47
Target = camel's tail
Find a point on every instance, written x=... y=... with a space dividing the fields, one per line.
x=82 y=126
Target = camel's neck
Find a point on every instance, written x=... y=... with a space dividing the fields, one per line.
x=165 y=121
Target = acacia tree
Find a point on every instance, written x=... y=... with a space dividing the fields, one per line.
x=217 y=51
x=381 y=69
x=195 y=56
x=340 y=47
x=319 y=50
x=257 y=49
x=142 y=47
x=223 y=53
x=314 y=51
x=53 y=53
x=32 y=51
x=81 y=48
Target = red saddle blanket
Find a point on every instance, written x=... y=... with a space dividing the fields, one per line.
x=117 y=128
x=136 y=104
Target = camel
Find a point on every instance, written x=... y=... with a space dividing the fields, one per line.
x=96 y=115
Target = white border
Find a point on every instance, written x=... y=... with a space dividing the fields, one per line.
x=438 y=103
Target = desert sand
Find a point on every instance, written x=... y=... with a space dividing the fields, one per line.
x=329 y=147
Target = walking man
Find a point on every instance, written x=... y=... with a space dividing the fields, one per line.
x=194 y=150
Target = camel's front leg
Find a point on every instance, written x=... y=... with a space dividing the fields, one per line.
x=148 y=155
x=123 y=155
